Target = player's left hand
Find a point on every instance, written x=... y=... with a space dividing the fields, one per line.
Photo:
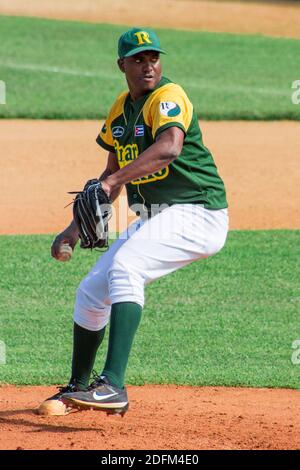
x=91 y=213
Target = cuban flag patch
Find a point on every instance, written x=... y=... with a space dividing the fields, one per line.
x=139 y=131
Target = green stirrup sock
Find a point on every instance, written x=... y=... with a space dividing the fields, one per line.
x=124 y=321
x=85 y=347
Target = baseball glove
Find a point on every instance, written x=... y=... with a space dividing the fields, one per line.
x=91 y=212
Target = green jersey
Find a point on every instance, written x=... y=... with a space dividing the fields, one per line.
x=131 y=127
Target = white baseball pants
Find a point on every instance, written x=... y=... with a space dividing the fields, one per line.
x=146 y=251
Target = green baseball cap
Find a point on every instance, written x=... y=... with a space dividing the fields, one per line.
x=136 y=40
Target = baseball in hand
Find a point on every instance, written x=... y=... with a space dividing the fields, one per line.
x=65 y=252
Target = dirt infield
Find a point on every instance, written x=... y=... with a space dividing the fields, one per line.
x=258 y=161
x=159 y=417
x=271 y=18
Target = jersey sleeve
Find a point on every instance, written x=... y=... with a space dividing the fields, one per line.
x=171 y=107
x=105 y=139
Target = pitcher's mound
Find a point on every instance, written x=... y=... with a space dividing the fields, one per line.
x=159 y=417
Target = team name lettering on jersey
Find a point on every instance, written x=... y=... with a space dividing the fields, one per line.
x=128 y=153
x=159 y=175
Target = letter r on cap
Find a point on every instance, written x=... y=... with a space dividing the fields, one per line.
x=142 y=37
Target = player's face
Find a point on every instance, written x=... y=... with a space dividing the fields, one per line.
x=143 y=72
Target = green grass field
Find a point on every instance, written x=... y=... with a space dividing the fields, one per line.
x=59 y=69
x=228 y=320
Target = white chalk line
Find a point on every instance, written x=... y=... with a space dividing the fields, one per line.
x=201 y=84
x=59 y=70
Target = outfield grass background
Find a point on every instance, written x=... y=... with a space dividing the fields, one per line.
x=63 y=69
x=228 y=320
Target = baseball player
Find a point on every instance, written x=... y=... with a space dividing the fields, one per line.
x=155 y=149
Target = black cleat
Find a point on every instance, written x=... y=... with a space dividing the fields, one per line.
x=100 y=395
